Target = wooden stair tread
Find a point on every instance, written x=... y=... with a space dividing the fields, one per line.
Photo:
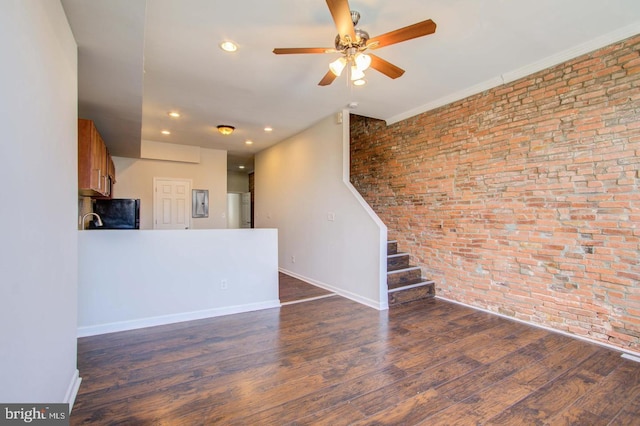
x=421 y=292
x=413 y=285
x=399 y=254
x=392 y=247
x=398 y=269
x=394 y=286
x=405 y=282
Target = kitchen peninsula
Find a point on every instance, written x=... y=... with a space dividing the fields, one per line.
x=134 y=279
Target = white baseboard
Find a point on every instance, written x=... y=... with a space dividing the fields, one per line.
x=352 y=296
x=72 y=390
x=551 y=329
x=93 y=330
x=631 y=357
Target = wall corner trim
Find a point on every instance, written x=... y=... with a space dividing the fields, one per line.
x=72 y=390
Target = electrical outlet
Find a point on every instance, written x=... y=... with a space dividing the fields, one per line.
x=293 y=259
x=223 y=284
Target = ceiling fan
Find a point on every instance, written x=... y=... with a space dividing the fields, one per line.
x=351 y=42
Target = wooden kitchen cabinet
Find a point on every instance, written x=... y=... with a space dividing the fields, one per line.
x=96 y=171
x=111 y=169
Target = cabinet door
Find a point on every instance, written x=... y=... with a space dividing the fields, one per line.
x=99 y=159
x=93 y=162
x=87 y=165
x=110 y=177
x=111 y=168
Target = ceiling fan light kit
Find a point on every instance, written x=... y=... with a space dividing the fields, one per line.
x=351 y=42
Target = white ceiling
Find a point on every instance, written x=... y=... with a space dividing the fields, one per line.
x=140 y=59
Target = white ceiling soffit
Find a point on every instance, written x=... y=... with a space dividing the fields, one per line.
x=478 y=44
x=110 y=38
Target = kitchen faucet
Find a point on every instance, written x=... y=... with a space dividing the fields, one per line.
x=90 y=214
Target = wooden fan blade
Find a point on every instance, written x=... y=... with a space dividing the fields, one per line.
x=386 y=68
x=341 y=14
x=403 y=34
x=292 y=50
x=327 y=79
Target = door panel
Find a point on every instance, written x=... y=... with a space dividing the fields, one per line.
x=171 y=205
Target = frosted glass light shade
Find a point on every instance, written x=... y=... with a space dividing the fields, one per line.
x=356 y=74
x=225 y=129
x=362 y=61
x=338 y=65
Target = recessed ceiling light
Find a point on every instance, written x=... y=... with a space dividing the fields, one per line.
x=165 y=132
x=359 y=82
x=228 y=46
x=241 y=167
x=268 y=129
x=248 y=142
x=174 y=114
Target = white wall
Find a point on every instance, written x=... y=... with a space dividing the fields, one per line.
x=301 y=183
x=135 y=180
x=237 y=182
x=160 y=277
x=38 y=222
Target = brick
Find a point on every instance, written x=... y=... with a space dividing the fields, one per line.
x=523 y=199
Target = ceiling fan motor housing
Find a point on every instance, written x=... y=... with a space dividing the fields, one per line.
x=342 y=45
x=360 y=43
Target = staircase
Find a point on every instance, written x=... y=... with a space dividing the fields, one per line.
x=405 y=282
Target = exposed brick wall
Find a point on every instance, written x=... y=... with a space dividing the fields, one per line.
x=523 y=199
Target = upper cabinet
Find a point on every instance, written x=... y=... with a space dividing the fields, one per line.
x=96 y=171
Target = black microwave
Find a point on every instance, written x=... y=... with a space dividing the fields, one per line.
x=116 y=213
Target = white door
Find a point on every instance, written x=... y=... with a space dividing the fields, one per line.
x=245 y=210
x=171 y=203
x=233 y=211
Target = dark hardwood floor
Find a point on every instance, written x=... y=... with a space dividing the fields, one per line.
x=295 y=290
x=332 y=361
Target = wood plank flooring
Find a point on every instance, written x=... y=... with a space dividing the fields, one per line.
x=294 y=290
x=332 y=361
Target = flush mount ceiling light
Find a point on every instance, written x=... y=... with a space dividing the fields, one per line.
x=226 y=129
x=268 y=129
x=174 y=114
x=248 y=142
x=228 y=46
x=165 y=132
